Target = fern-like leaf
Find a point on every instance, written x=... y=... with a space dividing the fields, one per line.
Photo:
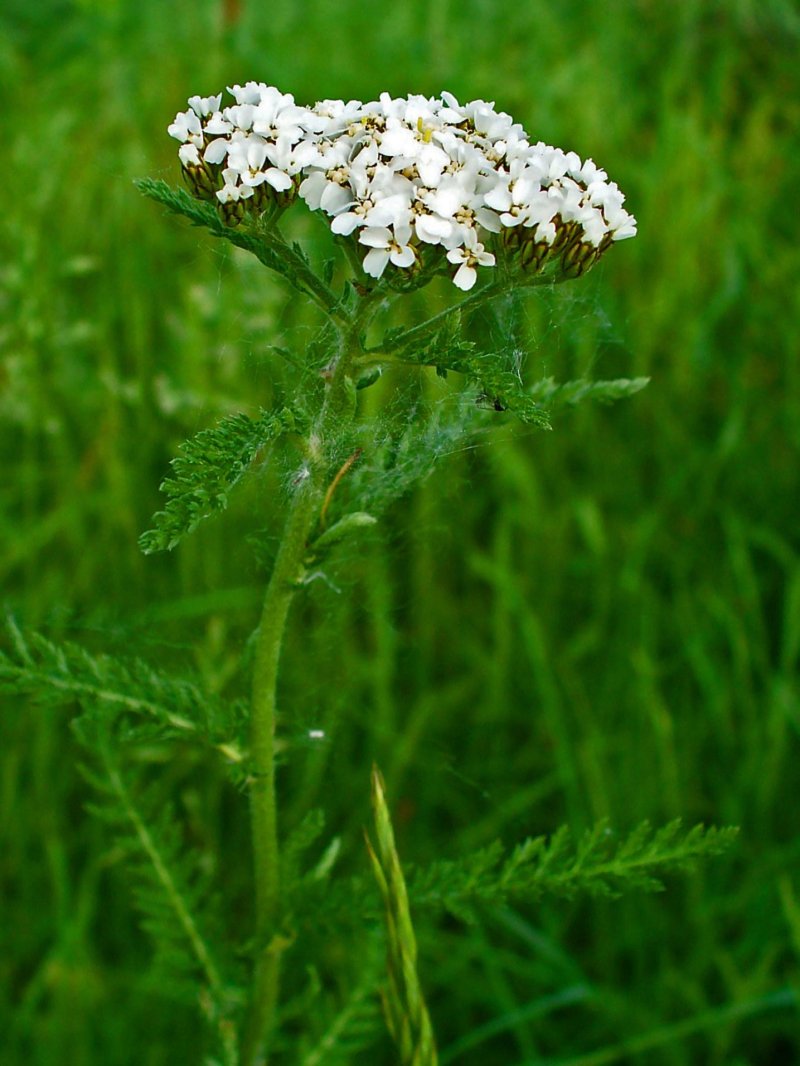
x=353 y=1027
x=170 y=893
x=499 y=384
x=207 y=468
x=599 y=864
x=265 y=243
x=107 y=688
x=570 y=393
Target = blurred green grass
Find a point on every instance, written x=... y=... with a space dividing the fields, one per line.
x=610 y=628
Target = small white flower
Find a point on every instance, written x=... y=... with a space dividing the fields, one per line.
x=218 y=125
x=217 y=150
x=370 y=213
x=594 y=226
x=277 y=116
x=205 y=105
x=471 y=255
x=249 y=93
x=189 y=155
x=187 y=128
x=247 y=156
x=241 y=117
x=401 y=170
x=386 y=246
x=431 y=228
x=327 y=191
x=622 y=225
x=231 y=191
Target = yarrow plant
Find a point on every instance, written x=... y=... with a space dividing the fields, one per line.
x=411 y=188
x=420 y=186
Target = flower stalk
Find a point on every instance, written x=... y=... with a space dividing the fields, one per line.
x=287 y=576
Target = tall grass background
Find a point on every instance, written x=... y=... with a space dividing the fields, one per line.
x=598 y=622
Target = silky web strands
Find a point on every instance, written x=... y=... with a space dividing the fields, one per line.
x=414 y=185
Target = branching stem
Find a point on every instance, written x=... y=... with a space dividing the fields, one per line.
x=314 y=286
x=287 y=574
x=476 y=299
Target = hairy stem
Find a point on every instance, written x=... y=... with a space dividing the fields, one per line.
x=287 y=574
x=475 y=300
x=313 y=285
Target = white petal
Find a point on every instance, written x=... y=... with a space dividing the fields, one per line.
x=594 y=228
x=218 y=126
x=278 y=180
x=335 y=198
x=386 y=211
x=404 y=257
x=431 y=229
x=626 y=227
x=217 y=150
x=375 y=237
x=465 y=277
x=488 y=219
x=256 y=154
x=399 y=142
x=375 y=262
x=545 y=231
x=498 y=198
x=402 y=233
x=430 y=164
x=346 y=223
x=188 y=155
x=312 y=188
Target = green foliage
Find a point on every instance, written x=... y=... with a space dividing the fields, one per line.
x=108 y=688
x=571 y=393
x=340 y=532
x=500 y=386
x=169 y=886
x=350 y=1030
x=297 y=844
x=598 y=864
x=403 y=1000
x=263 y=240
x=208 y=467
x=406 y=451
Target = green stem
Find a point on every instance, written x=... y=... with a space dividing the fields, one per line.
x=470 y=303
x=287 y=574
x=314 y=285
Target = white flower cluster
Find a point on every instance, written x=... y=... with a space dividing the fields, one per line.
x=421 y=184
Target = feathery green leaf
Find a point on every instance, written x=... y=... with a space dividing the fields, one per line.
x=598 y=863
x=107 y=688
x=207 y=468
x=263 y=241
x=353 y=1027
x=170 y=891
x=570 y=393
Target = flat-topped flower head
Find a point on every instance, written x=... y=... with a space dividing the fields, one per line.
x=415 y=179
